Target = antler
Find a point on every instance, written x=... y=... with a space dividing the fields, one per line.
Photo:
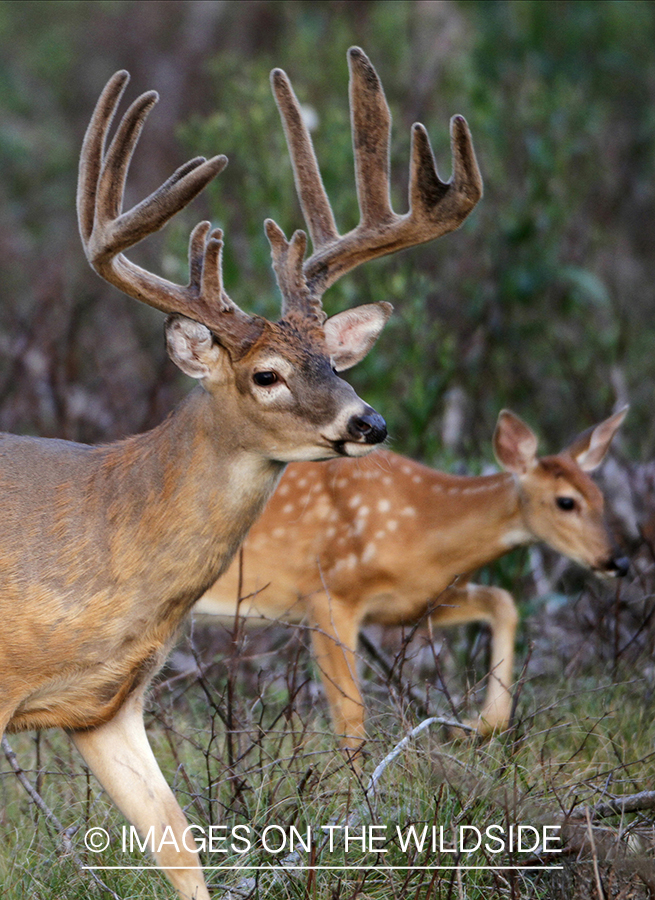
x=106 y=231
x=436 y=207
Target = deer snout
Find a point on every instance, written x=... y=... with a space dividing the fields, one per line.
x=368 y=429
x=618 y=565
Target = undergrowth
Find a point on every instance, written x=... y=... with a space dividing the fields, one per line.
x=245 y=742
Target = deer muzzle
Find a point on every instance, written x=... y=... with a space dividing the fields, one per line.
x=369 y=428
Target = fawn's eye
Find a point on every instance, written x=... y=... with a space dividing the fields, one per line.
x=265 y=379
x=567 y=504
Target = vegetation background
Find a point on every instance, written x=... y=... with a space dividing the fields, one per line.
x=543 y=302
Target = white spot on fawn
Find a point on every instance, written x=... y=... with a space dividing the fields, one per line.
x=384 y=506
x=358 y=527
x=370 y=551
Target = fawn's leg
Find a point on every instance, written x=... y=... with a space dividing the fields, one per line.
x=335 y=633
x=480 y=603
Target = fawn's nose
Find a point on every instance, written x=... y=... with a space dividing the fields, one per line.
x=368 y=429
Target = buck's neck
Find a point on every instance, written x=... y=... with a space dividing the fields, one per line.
x=184 y=494
x=474 y=520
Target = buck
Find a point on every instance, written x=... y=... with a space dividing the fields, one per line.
x=390 y=541
x=105 y=549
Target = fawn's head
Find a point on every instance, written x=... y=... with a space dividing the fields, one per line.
x=560 y=504
x=280 y=377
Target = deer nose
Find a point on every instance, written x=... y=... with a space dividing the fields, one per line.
x=619 y=565
x=369 y=428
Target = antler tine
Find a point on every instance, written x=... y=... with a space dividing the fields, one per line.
x=307 y=177
x=371 y=131
x=93 y=148
x=288 y=257
x=106 y=231
x=436 y=207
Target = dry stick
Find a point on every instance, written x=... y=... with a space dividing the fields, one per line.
x=594 y=857
x=231 y=664
x=64 y=833
x=400 y=746
x=619 y=805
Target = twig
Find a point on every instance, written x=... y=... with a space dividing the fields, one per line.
x=594 y=857
x=400 y=746
x=64 y=833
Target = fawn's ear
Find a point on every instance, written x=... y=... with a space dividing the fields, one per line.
x=589 y=448
x=192 y=347
x=352 y=333
x=515 y=445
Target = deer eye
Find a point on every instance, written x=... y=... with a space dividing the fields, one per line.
x=265 y=379
x=567 y=504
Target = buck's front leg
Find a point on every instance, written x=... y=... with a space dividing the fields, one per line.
x=479 y=603
x=120 y=757
x=334 y=636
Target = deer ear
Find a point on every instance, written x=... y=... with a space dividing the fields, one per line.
x=191 y=346
x=515 y=445
x=589 y=448
x=352 y=333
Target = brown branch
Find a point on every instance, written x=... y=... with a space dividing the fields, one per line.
x=618 y=806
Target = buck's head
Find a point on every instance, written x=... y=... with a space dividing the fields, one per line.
x=283 y=375
x=560 y=503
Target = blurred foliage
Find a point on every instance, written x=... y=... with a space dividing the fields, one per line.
x=542 y=302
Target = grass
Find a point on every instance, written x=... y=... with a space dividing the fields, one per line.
x=576 y=739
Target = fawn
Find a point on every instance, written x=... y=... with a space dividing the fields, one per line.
x=388 y=540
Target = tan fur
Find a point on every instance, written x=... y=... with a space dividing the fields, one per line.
x=385 y=539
